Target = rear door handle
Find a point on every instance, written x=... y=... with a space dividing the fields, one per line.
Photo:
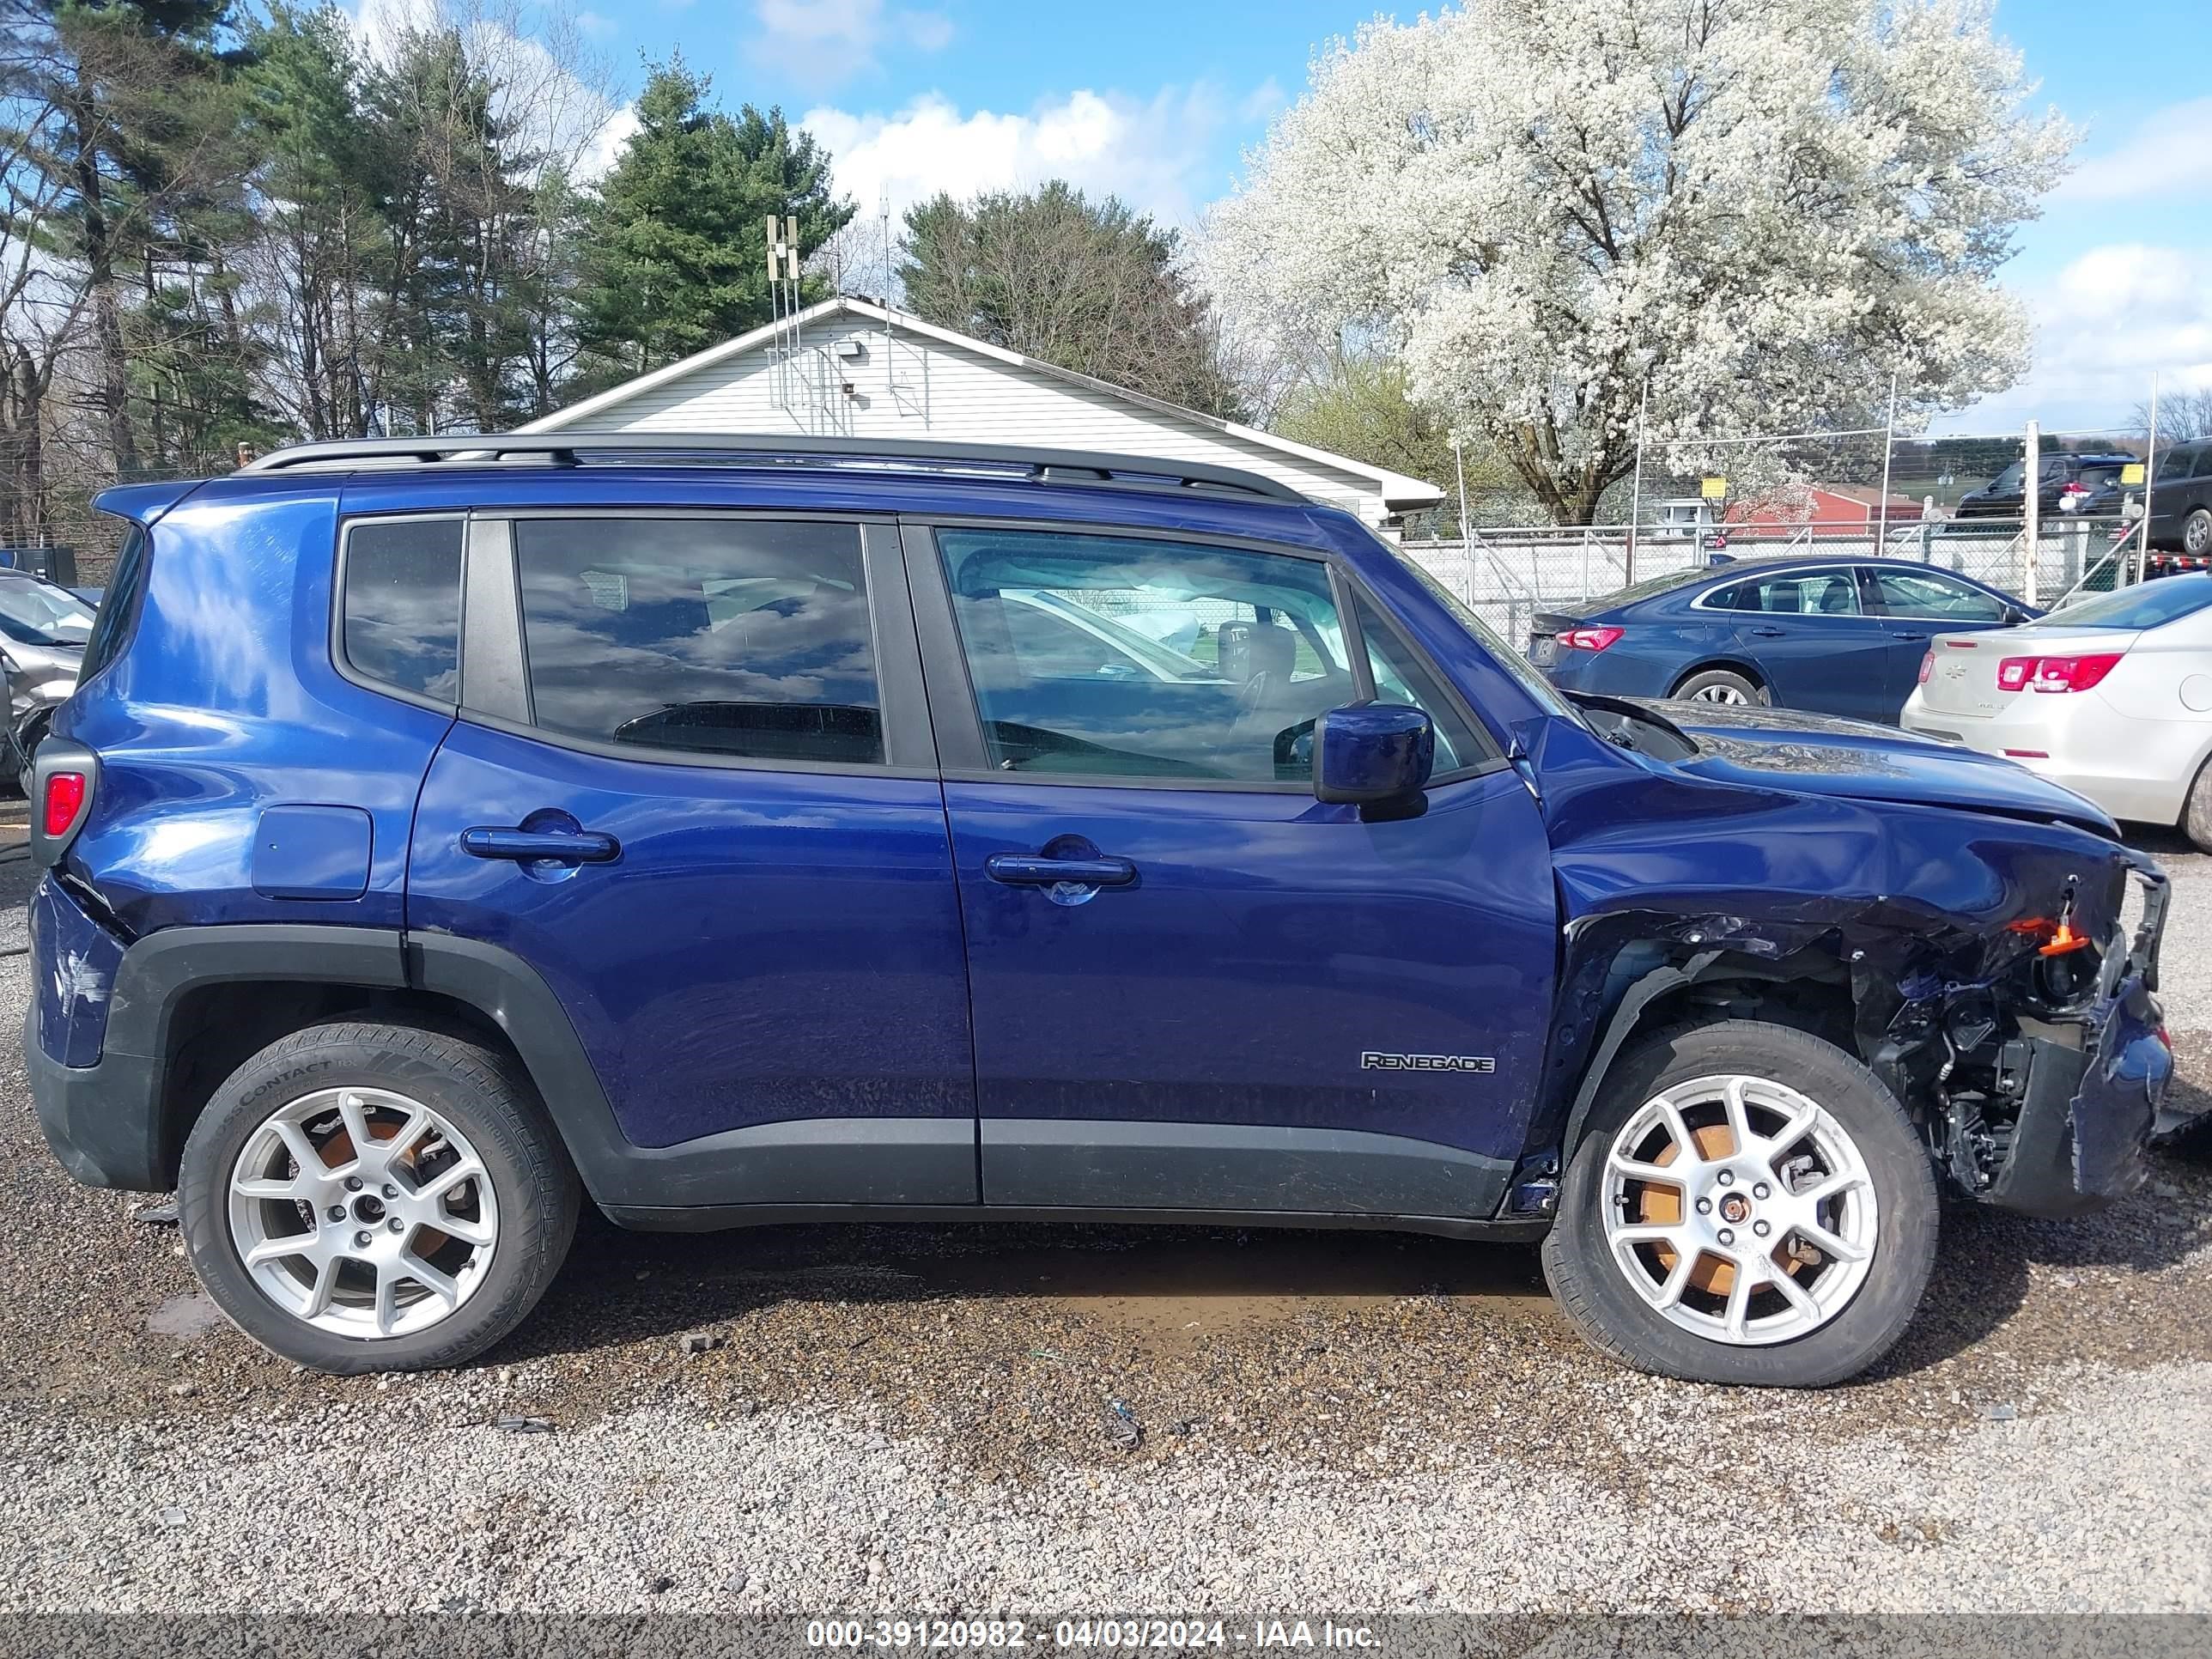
x=1908 y=636
x=1033 y=870
x=1769 y=632
x=564 y=847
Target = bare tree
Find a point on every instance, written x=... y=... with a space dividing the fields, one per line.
x=2182 y=416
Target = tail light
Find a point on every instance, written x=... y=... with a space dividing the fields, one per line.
x=65 y=800
x=64 y=779
x=1590 y=639
x=1927 y=666
x=2055 y=673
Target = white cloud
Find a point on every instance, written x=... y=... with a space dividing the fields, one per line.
x=2107 y=322
x=1154 y=154
x=824 y=43
x=2170 y=152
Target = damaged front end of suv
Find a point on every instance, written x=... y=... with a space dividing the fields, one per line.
x=1986 y=947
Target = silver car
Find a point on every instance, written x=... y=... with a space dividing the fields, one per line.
x=2112 y=697
x=43 y=628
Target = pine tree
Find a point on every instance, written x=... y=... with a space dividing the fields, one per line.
x=678 y=259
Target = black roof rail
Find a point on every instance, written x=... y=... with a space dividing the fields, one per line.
x=567 y=449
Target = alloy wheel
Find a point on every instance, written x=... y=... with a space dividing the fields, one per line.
x=1740 y=1210
x=1727 y=693
x=363 y=1213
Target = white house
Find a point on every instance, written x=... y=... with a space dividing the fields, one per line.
x=850 y=367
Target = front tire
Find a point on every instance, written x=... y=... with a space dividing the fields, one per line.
x=1723 y=685
x=2196 y=534
x=361 y=1197
x=1748 y=1204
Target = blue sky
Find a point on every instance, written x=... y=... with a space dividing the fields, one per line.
x=1157 y=101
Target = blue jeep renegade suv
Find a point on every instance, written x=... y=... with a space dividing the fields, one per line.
x=447 y=831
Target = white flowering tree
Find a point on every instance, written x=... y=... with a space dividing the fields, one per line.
x=1764 y=207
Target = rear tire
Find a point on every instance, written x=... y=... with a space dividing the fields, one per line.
x=418 y=1252
x=2196 y=534
x=2197 y=811
x=1854 y=1174
x=1723 y=685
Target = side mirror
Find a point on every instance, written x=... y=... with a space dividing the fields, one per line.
x=1373 y=754
x=2013 y=617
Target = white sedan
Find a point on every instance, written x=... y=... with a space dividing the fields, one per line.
x=2112 y=697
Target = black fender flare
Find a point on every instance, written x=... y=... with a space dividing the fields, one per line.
x=1618 y=1028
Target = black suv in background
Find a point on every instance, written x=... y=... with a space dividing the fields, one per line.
x=2181 y=499
x=2093 y=479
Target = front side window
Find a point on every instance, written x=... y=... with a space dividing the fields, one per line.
x=402 y=604
x=1938 y=598
x=1128 y=657
x=737 y=637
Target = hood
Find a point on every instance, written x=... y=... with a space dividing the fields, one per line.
x=1821 y=755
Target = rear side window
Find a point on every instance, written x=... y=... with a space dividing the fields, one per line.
x=740 y=637
x=1805 y=593
x=402 y=606
x=119 y=606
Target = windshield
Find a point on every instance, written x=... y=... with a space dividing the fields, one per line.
x=33 y=613
x=1651 y=585
x=2147 y=605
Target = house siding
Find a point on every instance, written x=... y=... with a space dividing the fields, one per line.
x=905 y=385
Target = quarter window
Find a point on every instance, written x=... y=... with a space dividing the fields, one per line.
x=1401 y=676
x=1128 y=657
x=717 y=636
x=401 y=606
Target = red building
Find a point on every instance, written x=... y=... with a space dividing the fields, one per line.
x=1839 y=507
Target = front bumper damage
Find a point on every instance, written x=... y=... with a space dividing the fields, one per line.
x=2063 y=1116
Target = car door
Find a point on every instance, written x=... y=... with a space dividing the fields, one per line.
x=1912 y=602
x=1195 y=987
x=692 y=790
x=1814 y=645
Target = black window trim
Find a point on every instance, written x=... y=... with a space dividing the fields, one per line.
x=956 y=716
x=500 y=700
x=126 y=597
x=344 y=666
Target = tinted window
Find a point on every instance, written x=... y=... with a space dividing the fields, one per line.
x=118 y=606
x=2009 y=478
x=1400 y=676
x=1134 y=657
x=718 y=636
x=2100 y=475
x=2147 y=605
x=1803 y=593
x=1922 y=593
x=2202 y=467
x=403 y=604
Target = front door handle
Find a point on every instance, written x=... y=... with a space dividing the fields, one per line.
x=562 y=846
x=1908 y=636
x=1034 y=870
x=1769 y=632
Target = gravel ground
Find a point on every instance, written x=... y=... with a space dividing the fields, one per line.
x=924 y=1419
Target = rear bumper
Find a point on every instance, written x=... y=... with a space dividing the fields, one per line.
x=103 y=1121
x=2136 y=769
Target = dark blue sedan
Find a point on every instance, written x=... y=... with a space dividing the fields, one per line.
x=1843 y=636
